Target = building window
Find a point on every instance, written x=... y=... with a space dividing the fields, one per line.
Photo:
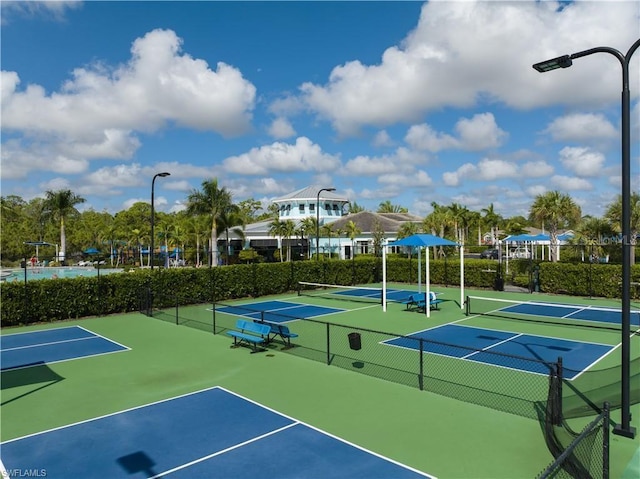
x=327 y=208
x=301 y=209
x=336 y=210
x=312 y=207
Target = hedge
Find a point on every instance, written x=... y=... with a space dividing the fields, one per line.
x=61 y=299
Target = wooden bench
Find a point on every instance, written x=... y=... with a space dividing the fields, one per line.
x=418 y=301
x=250 y=333
x=281 y=330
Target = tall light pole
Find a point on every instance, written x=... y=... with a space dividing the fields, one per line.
x=624 y=428
x=151 y=249
x=318 y=220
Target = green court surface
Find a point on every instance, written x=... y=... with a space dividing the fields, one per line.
x=436 y=434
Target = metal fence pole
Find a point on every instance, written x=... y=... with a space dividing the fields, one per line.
x=328 y=346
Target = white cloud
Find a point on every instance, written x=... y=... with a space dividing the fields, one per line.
x=281 y=128
x=423 y=137
x=52 y=9
x=487 y=169
x=582 y=127
x=570 y=183
x=582 y=162
x=282 y=157
x=480 y=132
x=382 y=138
x=463 y=52
x=536 y=169
x=97 y=113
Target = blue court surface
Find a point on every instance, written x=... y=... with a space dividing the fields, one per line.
x=397 y=295
x=207 y=434
x=574 y=312
x=52 y=345
x=472 y=343
x=277 y=311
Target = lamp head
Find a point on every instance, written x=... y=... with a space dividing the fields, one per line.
x=560 y=62
x=163 y=174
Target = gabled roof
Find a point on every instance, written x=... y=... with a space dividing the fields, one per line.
x=311 y=193
x=366 y=220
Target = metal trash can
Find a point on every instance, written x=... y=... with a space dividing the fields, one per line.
x=355 y=342
x=498 y=285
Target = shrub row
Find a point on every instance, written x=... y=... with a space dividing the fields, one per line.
x=60 y=299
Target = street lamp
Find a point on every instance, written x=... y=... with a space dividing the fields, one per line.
x=624 y=428
x=318 y=220
x=151 y=249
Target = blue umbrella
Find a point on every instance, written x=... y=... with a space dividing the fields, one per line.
x=425 y=241
x=91 y=251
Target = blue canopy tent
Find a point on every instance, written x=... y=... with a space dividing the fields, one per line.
x=422 y=241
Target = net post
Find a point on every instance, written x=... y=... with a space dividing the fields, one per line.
x=328 y=347
x=467 y=306
x=605 y=440
x=558 y=391
x=177 y=320
x=421 y=356
x=213 y=314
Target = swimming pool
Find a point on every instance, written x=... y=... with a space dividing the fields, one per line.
x=54 y=273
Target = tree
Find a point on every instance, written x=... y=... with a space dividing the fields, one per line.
x=557 y=211
x=277 y=229
x=592 y=232
x=387 y=207
x=327 y=230
x=308 y=227
x=230 y=219
x=60 y=205
x=492 y=219
x=614 y=216
x=212 y=201
x=352 y=231
x=354 y=207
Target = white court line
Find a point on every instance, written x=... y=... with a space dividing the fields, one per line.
x=62 y=341
x=222 y=451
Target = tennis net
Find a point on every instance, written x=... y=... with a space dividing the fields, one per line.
x=344 y=293
x=554 y=313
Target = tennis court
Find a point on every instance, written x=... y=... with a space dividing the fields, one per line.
x=277 y=311
x=472 y=343
x=54 y=345
x=182 y=403
x=210 y=433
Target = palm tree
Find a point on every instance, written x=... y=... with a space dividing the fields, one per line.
x=387 y=207
x=308 y=226
x=557 y=211
x=230 y=218
x=197 y=228
x=212 y=201
x=614 y=216
x=288 y=231
x=136 y=237
x=352 y=231
x=277 y=230
x=438 y=222
x=354 y=207
x=591 y=232
x=492 y=219
x=327 y=230
x=60 y=205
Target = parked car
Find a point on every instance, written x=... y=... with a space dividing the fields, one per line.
x=489 y=254
x=521 y=253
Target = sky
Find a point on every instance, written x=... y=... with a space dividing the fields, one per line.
x=406 y=102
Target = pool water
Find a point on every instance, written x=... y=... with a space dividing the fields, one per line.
x=54 y=272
